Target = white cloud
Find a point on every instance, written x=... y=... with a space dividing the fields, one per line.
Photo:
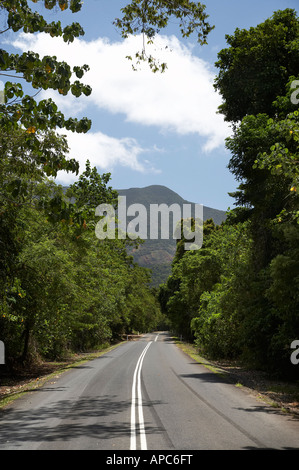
x=181 y=100
x=104 y=152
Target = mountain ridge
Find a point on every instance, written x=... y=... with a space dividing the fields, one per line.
x=157 y=255
x=160 y=194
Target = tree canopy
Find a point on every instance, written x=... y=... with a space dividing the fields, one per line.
x=238 y=297
x=257 y=65
x=61 y=288
x=148 y=17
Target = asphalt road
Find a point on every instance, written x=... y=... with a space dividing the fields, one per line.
x=147 y=395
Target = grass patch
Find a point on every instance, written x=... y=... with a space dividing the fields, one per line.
x=191 y=351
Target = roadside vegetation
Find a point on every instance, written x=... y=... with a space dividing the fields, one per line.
x=238 y=296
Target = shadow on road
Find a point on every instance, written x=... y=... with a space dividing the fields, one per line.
x=97 y=418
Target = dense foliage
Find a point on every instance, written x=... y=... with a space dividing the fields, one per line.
x=238 y=297
x=62 y=289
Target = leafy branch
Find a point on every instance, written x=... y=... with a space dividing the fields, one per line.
x=148 y=17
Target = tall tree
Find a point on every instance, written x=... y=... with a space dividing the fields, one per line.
x=256 y=79
x=255 y=68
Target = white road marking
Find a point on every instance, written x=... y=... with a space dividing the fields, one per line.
x=137 y=381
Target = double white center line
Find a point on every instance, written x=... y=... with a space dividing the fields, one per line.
x=137 y=403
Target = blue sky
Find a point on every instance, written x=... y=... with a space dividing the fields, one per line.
x=151 y=128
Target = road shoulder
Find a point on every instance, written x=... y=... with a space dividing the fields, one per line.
x=279 y=394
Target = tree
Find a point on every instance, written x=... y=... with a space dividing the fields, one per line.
x=22 y=110
x=145 y=16
x=261 y=193
x=254 y=80
x=60 y=287
x=91 y=188
x=282 y=160
x=40 y=117
x=239 y=294
x=193 y=272
x=22 y=189
x=148 y=17
x=254 y=69
x=264 y=149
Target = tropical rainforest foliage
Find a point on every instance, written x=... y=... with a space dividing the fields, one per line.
x=60 y=287
x=238 y=297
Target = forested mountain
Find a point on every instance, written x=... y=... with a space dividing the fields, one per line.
x=158 y=194
x=158 y=254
